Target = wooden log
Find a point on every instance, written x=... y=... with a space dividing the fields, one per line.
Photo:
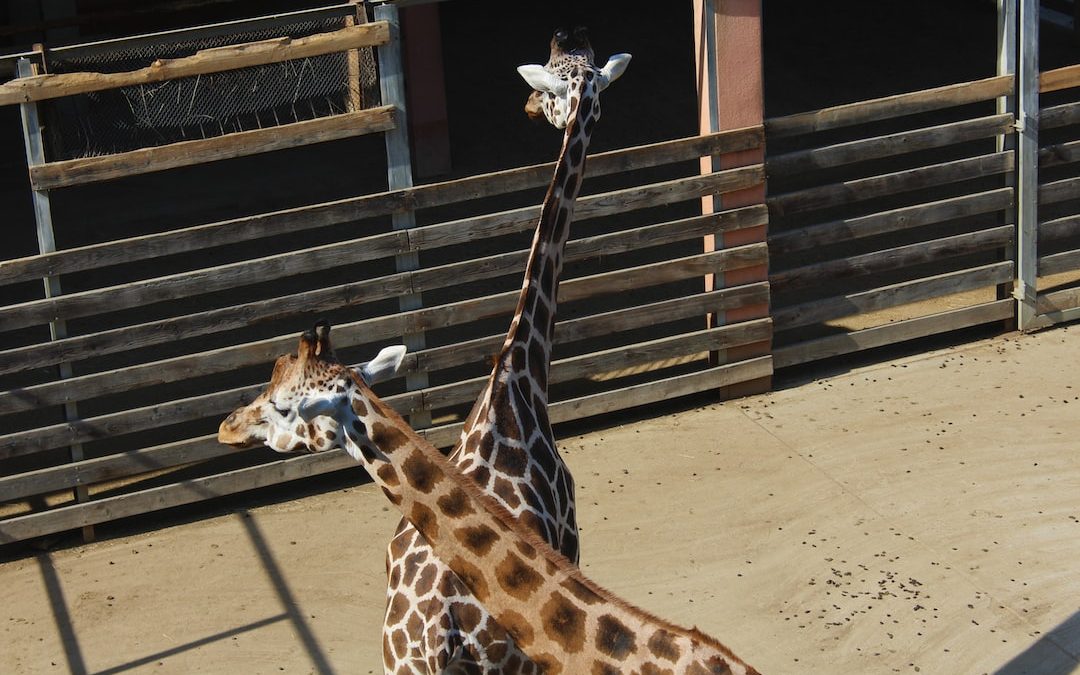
x=893 y=333
x=357 y=208
x=1059 y=153
x=888 y=107
x=1059 y=190
x=866 y=149
x=1059 y=116
x=863 y=189
x=33 y=525
x=893 y=258
x=188 y=153
x=221 y=277
x=893 y=220
x=216 y=60
x=1060 y=78
x=893 y=295
x=1056 y=302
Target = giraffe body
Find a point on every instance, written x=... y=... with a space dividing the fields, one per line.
x=507 y=445
x=560 y=619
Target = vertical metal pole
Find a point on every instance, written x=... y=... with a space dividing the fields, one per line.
x=1006 y=65
x=35 y=156
x=1027 y=165
x=399 y=175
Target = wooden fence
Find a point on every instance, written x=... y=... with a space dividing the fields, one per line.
x=890 y=220
x=169 y=331
x=1058 y=252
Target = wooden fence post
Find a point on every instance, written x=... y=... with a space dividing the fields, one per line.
x=729 y=77
x=399 y=175
x=35 y=156
x=1027 y=165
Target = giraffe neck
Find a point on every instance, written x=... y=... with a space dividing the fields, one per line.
x=532 y=327
x=557 y=616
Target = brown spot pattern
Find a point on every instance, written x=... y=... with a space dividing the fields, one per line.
x=424 y=519
x=387 y=438
x=455 y=504
x=477 y=538
x=517 y=578
x=564 y=623
x=581 y=591
x=388 y=475
x=662 y=645
x=614 y=638
x=518 y=627
x=471 y=576
x=601 y=668
x=421 y=472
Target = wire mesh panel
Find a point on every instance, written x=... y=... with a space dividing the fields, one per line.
x=204 y=106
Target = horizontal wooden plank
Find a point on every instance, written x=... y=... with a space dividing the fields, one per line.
x=1059 y=190
x=605 y=323
x=188 y=153
x=357 y=208
x=166 y=456
x=888 y=106
x=1059 y=153
x=159 y=372
x=891 y=221
x=221 y=277
x=216 y=60
x=893 y=333
x=190 y=491
x=1062 y=115
x=893 y=295
x=617 y=358
x=198 y=407
x=1060 y=78
x=1059 y=228
x=1058 y=302
x=112 y=467
x=893 y=258
x=866 y=149
x=1056 y=263
x=177 y=494
x=861 y=189
x=620 y=399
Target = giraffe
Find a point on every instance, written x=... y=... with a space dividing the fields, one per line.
x=563 y=621
x=506 y=444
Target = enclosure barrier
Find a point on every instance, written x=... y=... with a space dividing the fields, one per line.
x=151 y=388
x=890 y=220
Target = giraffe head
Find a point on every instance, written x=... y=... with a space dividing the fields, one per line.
x=292 y=414
x=570 y=70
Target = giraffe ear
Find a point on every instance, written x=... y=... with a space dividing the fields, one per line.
x=612 y=70
x=541 y=80
x=384 y=366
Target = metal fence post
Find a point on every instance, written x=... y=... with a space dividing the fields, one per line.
x=1027 y=165
x=35 y=155
x=399 y=176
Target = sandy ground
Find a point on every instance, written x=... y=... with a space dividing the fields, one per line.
x=921 y=515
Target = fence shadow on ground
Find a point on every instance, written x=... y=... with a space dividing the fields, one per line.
x=1047 y=655
x=73 y=652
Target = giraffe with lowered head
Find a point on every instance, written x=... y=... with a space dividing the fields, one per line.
x=507 y=445
x=560 y=619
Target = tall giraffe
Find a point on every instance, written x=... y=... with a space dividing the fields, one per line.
x=507 y=445
x=560 y=619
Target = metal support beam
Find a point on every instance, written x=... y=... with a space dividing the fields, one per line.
x=399 y=175
x=1027 y=164
x=35 y=156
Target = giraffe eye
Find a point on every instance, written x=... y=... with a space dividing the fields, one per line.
x=284 y=412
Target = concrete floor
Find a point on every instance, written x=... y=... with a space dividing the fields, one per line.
x=920 y=515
